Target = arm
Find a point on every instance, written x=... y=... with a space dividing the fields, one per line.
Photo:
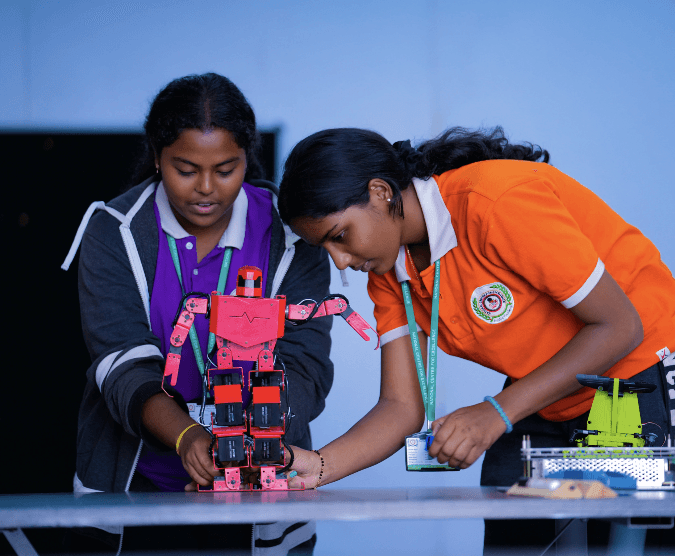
x=613 y=329
x=127 y=362
x=166 y=420
x=305 y=349
x=382 y=431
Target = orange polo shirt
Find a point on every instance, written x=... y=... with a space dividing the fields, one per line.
x=529 y=243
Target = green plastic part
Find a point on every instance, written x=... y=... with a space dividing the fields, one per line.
x=615 y=416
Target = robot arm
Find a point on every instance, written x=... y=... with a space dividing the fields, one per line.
x=333 y=304
x=197 y=303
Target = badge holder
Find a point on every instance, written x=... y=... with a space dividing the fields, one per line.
x=417 y=456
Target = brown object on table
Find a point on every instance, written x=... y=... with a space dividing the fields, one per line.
x=562 y=489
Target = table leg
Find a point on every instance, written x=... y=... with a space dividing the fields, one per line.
x=19 y=542
x=626 y=541
x=573 y=542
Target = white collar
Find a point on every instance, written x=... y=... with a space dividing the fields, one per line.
x=437 y=218
x=232 y=237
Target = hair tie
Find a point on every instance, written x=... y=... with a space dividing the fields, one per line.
x=408 y=155
x=404 y=147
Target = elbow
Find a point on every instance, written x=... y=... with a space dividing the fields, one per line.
x=405 y=418
x=417 y=421
x=636 y=333
x=630 y=333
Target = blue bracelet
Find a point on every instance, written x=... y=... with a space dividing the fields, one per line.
x=509 y=426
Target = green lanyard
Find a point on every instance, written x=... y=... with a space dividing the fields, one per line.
x=222 y=278
x=427 y=384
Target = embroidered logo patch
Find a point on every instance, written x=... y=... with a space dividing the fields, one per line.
x=492 y=303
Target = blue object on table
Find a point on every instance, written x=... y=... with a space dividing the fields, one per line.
x=612 y=479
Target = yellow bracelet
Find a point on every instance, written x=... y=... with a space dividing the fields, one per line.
x=180 y=436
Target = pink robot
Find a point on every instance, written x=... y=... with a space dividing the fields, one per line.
x=249 y=442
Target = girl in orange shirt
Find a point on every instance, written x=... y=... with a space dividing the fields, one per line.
x=493 y=211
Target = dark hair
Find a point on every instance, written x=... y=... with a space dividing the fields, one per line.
x=199 y=102
x=329 y=171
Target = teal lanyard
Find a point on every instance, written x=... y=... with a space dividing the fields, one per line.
x=222 y=278
x=427 y=384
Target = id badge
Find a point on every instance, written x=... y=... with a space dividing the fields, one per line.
x=417 y=456
x=196 y=408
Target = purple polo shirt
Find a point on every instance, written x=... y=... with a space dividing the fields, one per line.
x=249 y=234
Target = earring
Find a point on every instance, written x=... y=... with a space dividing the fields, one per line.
x=156 y=169
x=388 y=200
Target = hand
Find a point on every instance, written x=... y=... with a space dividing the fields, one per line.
x=194 y=454
x=307 y=464
x=463 y=435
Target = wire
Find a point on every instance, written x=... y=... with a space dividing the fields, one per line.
x=289 y=413
x=660 y=428
x=558 y=536
x=290 y=463
x=193 y=294
x=205 y=389
x=213 y=442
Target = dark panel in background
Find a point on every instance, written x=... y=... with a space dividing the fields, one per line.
x=49 y=180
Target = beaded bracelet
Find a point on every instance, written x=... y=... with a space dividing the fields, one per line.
x=180 y=436
x=509 y=426
x=320 y=472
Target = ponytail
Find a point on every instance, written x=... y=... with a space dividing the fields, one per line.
x=459 y=146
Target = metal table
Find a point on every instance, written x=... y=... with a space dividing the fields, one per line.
x=643 y=508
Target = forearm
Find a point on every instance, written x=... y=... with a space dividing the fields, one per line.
x=164 y=419
x=593 y=350
x=379 y=434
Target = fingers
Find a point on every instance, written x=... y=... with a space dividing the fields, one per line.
x=442 y=432
x=307 y=464
x=303 y=480
x=200 y=467
x=462 y=455
x=462 y=436
x=297 y=482
x=196 y=459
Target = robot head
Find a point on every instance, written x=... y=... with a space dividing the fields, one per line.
x=249 y=282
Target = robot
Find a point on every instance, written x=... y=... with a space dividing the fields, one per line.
x=614 y=419
x=613 y=449
x=248 y=443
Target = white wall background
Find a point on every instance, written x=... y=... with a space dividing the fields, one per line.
x=593 y=82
